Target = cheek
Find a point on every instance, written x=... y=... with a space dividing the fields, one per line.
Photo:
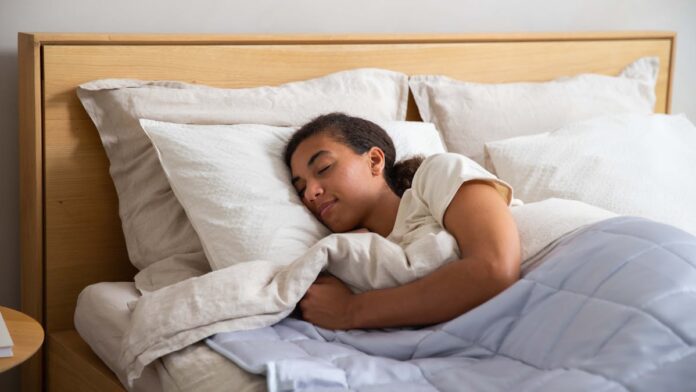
x=355 y=176
x=352 y=187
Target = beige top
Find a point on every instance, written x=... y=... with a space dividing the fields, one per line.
x=422 y=208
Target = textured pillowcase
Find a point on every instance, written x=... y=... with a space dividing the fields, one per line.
x=236 y=189
x=631 y=164
x=157 y=232
x=471 y=114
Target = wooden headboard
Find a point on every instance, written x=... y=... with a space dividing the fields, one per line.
x=70 y=229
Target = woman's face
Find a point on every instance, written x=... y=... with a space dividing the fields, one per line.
x=337 y=185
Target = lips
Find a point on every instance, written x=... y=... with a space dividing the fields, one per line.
x=325 y=207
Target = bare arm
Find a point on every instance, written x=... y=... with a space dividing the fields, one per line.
x=481 y=223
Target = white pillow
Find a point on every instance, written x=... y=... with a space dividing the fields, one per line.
x=234 y=185
x=471 y=114
x=631 y=164
x=158 y=234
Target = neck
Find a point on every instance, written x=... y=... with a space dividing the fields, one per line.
x=383 y=216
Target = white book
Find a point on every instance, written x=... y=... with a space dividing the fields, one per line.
x=5 y=340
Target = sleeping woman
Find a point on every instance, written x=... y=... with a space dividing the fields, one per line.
x=344 y=171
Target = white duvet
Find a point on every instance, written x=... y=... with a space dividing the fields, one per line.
x=259 y=293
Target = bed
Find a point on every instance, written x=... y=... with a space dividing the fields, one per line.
x=69 y=223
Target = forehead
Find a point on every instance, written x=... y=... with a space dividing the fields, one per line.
x=313 y=144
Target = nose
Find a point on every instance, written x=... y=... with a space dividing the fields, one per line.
x=313 y=190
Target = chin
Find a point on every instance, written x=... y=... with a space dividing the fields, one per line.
x=338 y=223
x=338 y=228
x=334 y=229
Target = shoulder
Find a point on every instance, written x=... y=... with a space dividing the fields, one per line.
x=440 y=177
x=448 y=166
x=445 y=158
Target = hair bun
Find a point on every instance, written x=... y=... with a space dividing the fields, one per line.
x=401 y=174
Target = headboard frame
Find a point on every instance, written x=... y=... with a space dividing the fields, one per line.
x=70 y=229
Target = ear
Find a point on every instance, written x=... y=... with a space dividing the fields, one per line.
x=376 y=157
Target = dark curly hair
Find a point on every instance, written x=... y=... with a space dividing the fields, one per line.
x=360 y=135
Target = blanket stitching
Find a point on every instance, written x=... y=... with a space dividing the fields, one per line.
x=611 y=336
x=637 y=309
x=667 y=295
x=663 y=245
x=417 y=345
x=610 y=382
x=620 y=267
x=542 y=370
x=562 y=256
x=655 y=245
x=563 y=330
x=661 y=363
x=642 y=310
x=588 y=297
x=592 y=295
x=617 y=268
x=524 y=310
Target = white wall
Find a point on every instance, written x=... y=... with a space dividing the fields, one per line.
x=305 y=16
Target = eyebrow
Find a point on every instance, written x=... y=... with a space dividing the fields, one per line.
x=309 y=163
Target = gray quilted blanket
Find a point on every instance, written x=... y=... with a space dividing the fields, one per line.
x=611 y=308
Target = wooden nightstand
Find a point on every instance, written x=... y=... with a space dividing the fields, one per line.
x=27 y=336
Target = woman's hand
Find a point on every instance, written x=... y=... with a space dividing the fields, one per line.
x=328 y=303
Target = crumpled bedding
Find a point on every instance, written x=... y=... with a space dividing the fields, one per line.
x=611 y=309
x=262 y=292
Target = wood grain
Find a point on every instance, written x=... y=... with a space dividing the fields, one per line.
x=31 y=218
x=237 y=66
x=73 y=367
x=272 y=39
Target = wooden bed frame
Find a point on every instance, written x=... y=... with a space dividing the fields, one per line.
x=69 y=224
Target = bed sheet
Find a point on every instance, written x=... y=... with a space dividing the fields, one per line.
x=102 y=317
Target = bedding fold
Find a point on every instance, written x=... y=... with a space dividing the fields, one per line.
x=260 y=293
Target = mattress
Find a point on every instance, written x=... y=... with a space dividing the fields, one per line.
x=101 y=318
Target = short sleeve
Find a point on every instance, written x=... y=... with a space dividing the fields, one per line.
x=440 y=176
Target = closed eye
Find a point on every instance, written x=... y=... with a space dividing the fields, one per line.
x=301 y=192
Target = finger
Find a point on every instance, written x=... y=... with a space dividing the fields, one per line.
x=306 y=311
x=326 y=279
x=312 y=290
x=307 y=317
